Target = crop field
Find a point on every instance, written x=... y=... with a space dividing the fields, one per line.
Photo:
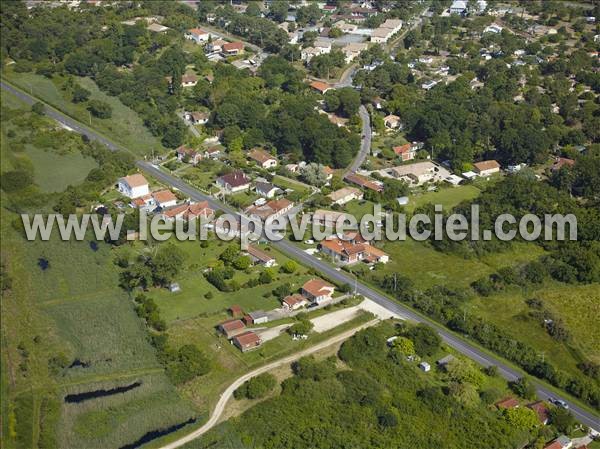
x=123 y=127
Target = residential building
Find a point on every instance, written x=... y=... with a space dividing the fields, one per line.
x=247 y=341
x=445 y=360
x=352 y=50
x=189 y=80
x=392 y=121
x=341 y=251
x=541 y=410
x=266 y=189
x=261 y=257
x=458 y=7
x=189 y=211
x=232 y=48
x=233 y=182
x=293 y=302
x=157 y=28
x=197 y=117
x=164 y=198
x=493 y=28
x=561 y=162
x=271 y=209
x=320 y=87
x=145 y=202
x=317 y=290
x=345 y=195
x=189 y=155
x=428 y=85
x=508 y=402
x=212 y=153
x=231 y=328
x=364 y=182
x=259 y=317
x=328 y=172
x=424 y=366
x=323 y=45
x=133 y=186
x=262 y=158
x=562 y=442
x=235 y=311
x=306 y=54
x=406 y=152
x=215 y=46
x=416 y=174
x=486 y=168
x=327 y=218
x=197 y=35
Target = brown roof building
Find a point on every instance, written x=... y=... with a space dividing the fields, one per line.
x=232 y=328
x=247 y=341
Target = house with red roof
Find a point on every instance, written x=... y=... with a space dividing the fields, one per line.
x=198 y=35
x=232 y=48
x=246 y=341
x=189 y=155
x=561 y=162
x=293 y=302
x=133 y=186
x=231 y=328
x=317 y=290
x=541 y=410
x=320 y=86
x=508 y=402
x=236 y=181
x=406 y=152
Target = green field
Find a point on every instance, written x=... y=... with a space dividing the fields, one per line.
x=124 y=127
x=73 y=169
x=448 y=197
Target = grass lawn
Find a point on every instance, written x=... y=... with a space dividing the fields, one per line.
x=190 y=302
x=287 y=183
x=124 y=127
x=448 y=197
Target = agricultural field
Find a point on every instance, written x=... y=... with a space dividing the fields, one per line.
x=124 y=126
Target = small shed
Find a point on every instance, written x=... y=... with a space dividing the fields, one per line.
x=174 y=287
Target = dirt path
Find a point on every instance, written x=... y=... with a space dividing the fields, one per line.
x=226 y=395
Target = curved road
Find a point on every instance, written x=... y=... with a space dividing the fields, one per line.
x=226 y=395
x=586 y=417
x=365 y=143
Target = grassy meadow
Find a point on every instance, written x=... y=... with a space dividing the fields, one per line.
x=124 y=127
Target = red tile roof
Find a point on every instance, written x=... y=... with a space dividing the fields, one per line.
x=294 y=299
x=164 y=196
x=259 y=254
x=540 y=409
x=135 y=180
x=402 y=149
x=509 y=402
x=317 y=287
x=320 y=86
x=486 y=165
x=247 y=339
x=232 y=325
x=231 y=46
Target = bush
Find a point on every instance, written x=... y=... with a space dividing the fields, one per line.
x=257 y=387
x=100 y=109
x=80 y=94
x=15 y=180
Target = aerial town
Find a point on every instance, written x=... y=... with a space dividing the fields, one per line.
x=209 y=116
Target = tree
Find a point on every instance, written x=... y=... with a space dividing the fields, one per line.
x=257 y=387
x=186 y=364
x=267 y=276
x=404 y=345
x=99 y=109
x=167 y=263
x=242 y=262
x=461 y=370
x=426 y=340
x=229 y=254
x=15 y=180
x=521 y=418
x=80 y=94
x=562 y=419
x=524 y=388
x=38 y=108
x=314 y=174
x=289 y=266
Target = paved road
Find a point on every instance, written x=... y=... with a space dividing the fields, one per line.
x=462 y=346
x=218 y=411
x=365 y=144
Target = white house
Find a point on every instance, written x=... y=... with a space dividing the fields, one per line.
x=266 y=189
x=493 y=28
x=259 y=256
x=353 y=49
x=262 y=158
x=164 y=198
x=133 y=186
x=197 y=35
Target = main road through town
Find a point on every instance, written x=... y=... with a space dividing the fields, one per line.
x=458 y=343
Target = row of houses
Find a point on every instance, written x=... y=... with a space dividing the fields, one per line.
x=386 y=30
x=162 y=201
x=315 y=291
